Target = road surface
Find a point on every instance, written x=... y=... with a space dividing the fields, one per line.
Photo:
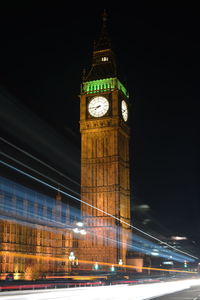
x=114 y=292
x=189 y=294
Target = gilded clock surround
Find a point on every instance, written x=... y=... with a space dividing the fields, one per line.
x=98 y=106
x=91 y=97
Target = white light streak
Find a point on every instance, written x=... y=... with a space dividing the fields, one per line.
x=80 y=224
x=114 y=292
x=179 y=238
x=104 y=212
x=38 y=160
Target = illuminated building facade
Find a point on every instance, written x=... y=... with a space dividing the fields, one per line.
x=34 y=239
x=105 y=134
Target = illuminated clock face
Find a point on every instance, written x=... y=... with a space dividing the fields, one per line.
x=124 y=109
x=98 y=106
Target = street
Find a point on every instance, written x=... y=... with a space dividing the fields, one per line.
x=180 y=289
x=192 y=293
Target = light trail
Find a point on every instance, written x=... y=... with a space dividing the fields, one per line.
x=59 y=184
x=38 y=160
x=63 y=175
x=104 y=212
x=45 y=257
x=16 y=213
x=39 y=173
x=113 y=292
x=56 y=228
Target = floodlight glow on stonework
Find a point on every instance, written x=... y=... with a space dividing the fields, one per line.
x=106 y=213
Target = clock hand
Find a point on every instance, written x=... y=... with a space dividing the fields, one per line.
x=95 y=107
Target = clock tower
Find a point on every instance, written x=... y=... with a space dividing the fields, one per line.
x=105 y=184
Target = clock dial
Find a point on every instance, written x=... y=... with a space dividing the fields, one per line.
x=98 y=106
x=124 y=109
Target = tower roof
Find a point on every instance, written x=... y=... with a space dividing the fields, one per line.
x=103 y=61
x=104 y=41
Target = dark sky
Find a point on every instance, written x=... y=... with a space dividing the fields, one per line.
x=43 y=52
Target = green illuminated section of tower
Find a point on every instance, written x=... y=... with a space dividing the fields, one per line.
x=103 y=85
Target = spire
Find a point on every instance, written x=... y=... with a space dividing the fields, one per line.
x=104 y=40
x=103 y=60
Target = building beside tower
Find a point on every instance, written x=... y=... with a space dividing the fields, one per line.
x=105 y=170
x=36 y=232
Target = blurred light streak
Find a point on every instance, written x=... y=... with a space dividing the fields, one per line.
x=39 y=173
x=179 y=238
x=147 y=247
x=29 y=218
x=8 y=188
x=54 y=226
x=113 y=292
x=45 y=257
x=21 y=193
x=79 y=200
x=40 y=161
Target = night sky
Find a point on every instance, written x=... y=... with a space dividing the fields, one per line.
x=42 y=55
